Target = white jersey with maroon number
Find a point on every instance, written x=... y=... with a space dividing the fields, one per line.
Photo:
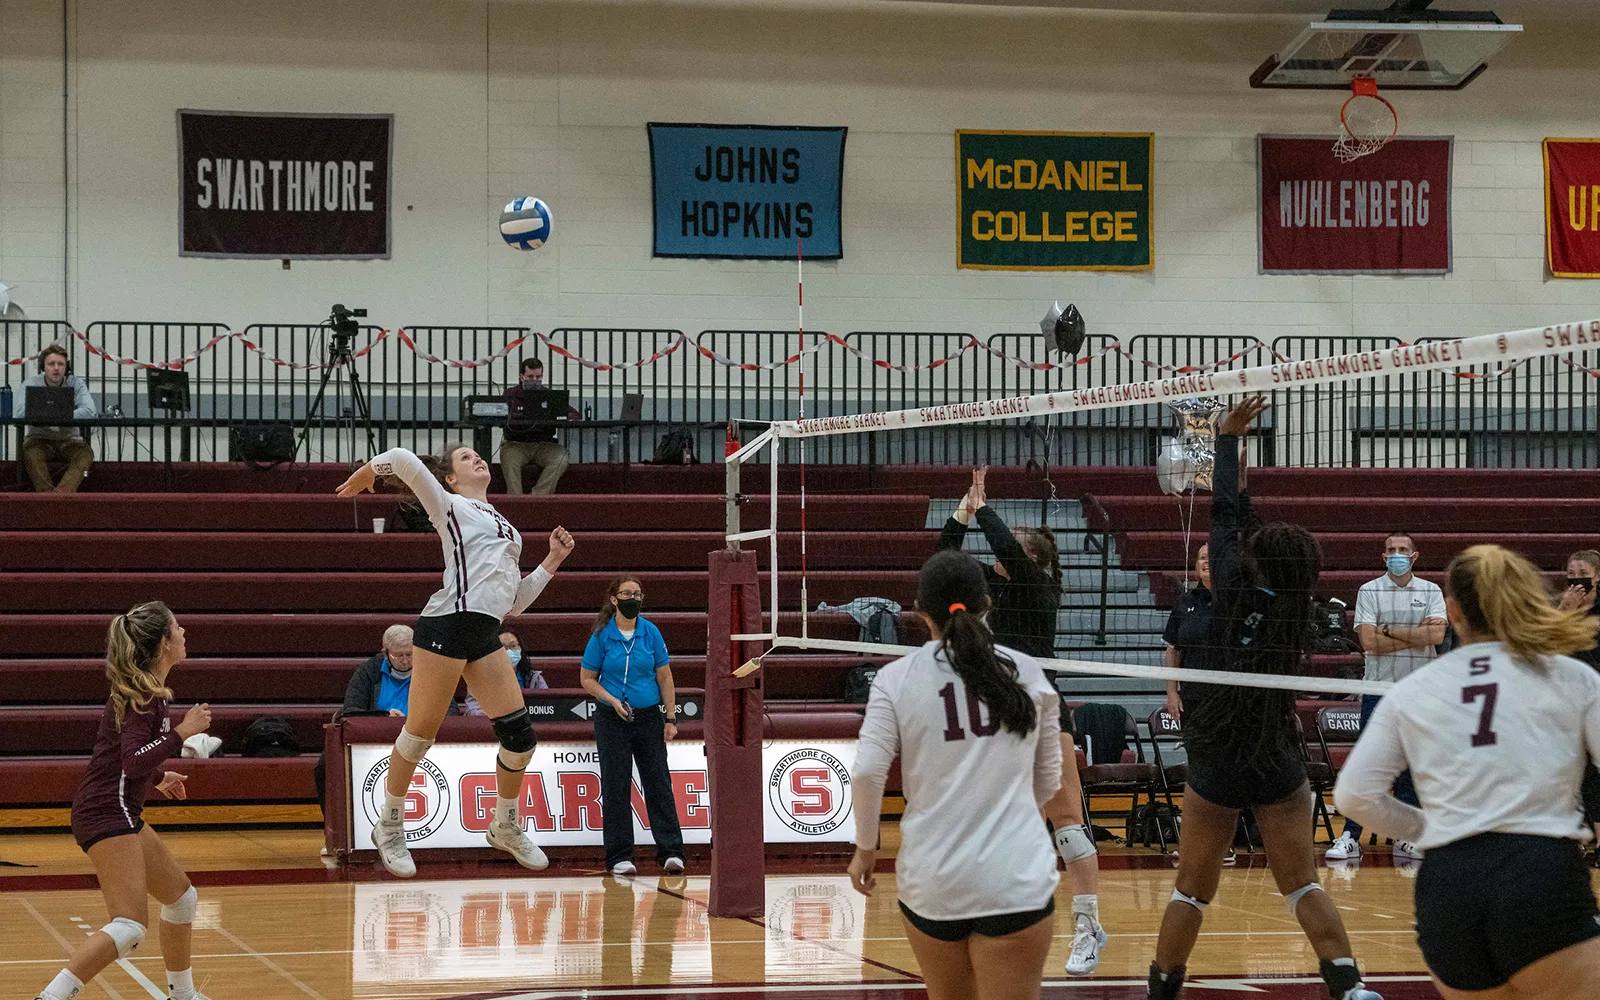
x=481 y=548
x=973 y=843
x=1493 y=744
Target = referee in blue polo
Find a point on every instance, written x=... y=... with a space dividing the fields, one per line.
x=625 y=668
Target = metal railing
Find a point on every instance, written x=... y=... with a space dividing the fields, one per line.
x=1541 y=413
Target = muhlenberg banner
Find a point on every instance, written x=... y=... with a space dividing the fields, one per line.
x=1388 y=213
x=284 y=185
x=1572 y=207
x=806 y=791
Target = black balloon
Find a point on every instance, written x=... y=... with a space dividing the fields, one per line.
x=1069 y=332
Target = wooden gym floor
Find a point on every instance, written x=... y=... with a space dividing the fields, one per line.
x=275 y=923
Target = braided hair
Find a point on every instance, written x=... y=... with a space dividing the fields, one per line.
x=952 y=592
x=1284 y=561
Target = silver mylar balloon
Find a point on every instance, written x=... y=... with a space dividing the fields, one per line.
x=1186 y=461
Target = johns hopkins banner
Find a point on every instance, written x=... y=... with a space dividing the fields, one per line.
x=1053 y=201
x=746 y=190
x=283 y=185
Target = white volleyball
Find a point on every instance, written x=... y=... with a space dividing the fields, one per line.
x=525 y=224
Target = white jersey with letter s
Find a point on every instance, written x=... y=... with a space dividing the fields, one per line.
x=481 y=548
x=972 y=841
x=1494 y=745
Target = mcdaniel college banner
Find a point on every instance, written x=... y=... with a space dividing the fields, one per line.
x=746 y=191
x=284 y=185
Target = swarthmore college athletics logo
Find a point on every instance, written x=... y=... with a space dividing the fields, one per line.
x=810 y=792
x=427 y=801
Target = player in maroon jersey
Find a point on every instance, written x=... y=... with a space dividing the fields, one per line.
x=136 y=737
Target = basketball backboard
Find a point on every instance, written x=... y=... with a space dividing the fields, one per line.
x=1421 y=55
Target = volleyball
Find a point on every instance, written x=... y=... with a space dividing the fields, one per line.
x=525 y=224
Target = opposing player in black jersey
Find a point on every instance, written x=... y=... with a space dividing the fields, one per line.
x=458 y=637
x=1243 y=751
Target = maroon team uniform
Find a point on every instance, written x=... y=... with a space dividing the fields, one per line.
x=126 y=765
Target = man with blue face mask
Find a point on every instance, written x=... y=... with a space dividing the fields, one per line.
x=1400 y=619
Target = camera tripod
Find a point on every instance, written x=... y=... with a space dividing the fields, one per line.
x=341 y=362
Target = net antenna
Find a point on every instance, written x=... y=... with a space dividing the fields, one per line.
x=1367 y=121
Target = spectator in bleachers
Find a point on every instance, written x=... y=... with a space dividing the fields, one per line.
x=528 y=678
x=626 y=669
x=1401 y=621
x=43 y=445
x=527 y=443
x=381 y=684
x=1583 y=576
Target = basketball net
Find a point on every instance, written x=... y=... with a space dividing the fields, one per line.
x=1366 y=122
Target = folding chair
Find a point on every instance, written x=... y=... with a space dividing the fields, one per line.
x=1135 y=778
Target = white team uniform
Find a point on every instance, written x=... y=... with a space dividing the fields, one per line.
x=1494 y=746
x=481 y=548
x=973 y=843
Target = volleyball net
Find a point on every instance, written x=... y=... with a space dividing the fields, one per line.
x=843 y=506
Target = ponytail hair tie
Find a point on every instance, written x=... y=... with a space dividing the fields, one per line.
x=958 y=606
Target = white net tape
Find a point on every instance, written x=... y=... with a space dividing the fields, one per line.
x=1504 y=350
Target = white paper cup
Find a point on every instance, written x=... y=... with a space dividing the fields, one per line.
x=378 y=525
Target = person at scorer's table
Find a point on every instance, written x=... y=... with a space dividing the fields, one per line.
x=626 y=669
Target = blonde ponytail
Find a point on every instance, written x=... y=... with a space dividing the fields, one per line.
x=133 y=644
x=1503 y=595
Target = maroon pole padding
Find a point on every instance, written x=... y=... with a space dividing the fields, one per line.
x=336 y=778
x=733 y=739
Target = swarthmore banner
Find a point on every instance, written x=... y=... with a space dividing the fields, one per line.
x=1387 y=213
x=284 y=185
x=747 y=191
x=1053 y=201
x=1572 y=206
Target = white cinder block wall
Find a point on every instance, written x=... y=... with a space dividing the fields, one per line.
x=492 y=100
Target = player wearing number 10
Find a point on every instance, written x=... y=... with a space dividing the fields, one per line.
x=1497 y=734
x=975 y=726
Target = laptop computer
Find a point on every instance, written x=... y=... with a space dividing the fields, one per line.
x=48 y=405
x=632 y=407
x=539 y=406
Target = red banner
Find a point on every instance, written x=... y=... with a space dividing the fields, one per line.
x=1387 y=213
x=1572 y=206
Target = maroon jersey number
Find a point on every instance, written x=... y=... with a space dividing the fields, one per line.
x=1485 y=736
x=952 y=718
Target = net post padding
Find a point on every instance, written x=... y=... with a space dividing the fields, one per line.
x=733 y=735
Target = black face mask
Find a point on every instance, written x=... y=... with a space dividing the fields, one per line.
x=628 y=607
x=1580 y=581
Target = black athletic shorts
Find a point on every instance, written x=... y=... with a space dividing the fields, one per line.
x=464 y=635
x=998 y=925
x=1224 y=780
x=1490 y=906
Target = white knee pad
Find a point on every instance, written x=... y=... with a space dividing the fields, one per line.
x=1178 y=897
x=1292 y=901
x=1075 y=843
x=411 y=747
x=125 y=933
x=182 y=911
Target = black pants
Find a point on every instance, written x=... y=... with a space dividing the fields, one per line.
x=621 y=745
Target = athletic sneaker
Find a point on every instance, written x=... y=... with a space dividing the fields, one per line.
x=623 y=869
x=1406 y=849
x=390 y=840
x=1168 y=986
x=1361 y=993
x=672 y=866
x=1231 y=858
x=1346 y=848
x=1086 y=945
x=1344 y=982
x=511 y=838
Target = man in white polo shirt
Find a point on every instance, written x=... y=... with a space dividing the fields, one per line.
x=1400 y=619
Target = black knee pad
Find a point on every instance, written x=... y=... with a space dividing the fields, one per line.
x=515 y=731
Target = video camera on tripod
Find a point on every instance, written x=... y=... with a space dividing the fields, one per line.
x=343 y=327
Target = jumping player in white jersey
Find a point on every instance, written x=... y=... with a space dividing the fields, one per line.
x=1498 y=734
x=458 y=637
x=976 y=728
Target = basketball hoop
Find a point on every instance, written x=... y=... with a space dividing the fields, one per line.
x=1366 y=122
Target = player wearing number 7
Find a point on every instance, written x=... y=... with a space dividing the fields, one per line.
x=1497 y=734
